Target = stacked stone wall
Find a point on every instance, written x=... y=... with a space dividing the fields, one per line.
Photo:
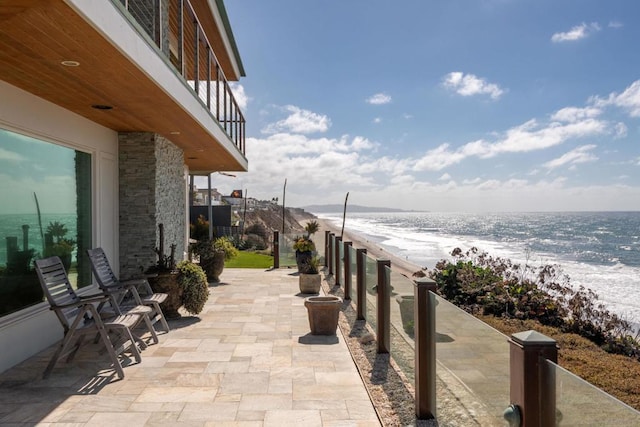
x=152 y=191
x=171 y=194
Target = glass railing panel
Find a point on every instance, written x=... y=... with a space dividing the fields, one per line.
x=472 y=365
x=353 y=270
x=371 y=282
x=341 y=259
x=402 y=320
x=579 y=403
x=287 y=254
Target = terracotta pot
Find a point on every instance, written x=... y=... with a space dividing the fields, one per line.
x=309 y=283
x=323 y=314
x=168 y=283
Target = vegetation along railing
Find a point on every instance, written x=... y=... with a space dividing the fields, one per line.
x=458 y=363
x=174 y=27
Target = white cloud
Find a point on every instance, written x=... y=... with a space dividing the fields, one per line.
x=576 y=33
x=615 y=24
x=629 y=99
x=620 y=130
x=445 y=177
x=527 y=137
x=469 y=85
x=578 y=155
x=10 y=155
x=377 y=120
x=379 y=99
x=574 y=114
x=299 y=121
x=239 y=94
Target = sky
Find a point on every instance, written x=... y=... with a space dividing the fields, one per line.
x=441 y=105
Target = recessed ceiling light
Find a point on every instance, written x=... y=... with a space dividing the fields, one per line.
x=70 y=63
x=175 y=132
x=102 y=107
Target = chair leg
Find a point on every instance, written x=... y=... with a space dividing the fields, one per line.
x=149 y=325
x=56 y=355
x=112 y=354
x=77 y=345
x=161 y=317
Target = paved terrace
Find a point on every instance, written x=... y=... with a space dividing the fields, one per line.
x=247 y=360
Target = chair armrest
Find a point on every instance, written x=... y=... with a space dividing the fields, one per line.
x=84 y=300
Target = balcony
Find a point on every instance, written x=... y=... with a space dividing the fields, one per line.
x=110 y=62
x=179 y=33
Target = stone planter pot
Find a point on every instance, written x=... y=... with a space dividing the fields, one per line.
x=302 y=260
x=309 y=283
x=168 y=283
x=213 y=266
x=323 y=314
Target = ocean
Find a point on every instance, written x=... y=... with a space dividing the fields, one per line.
x=598 y=250
x=11 y=225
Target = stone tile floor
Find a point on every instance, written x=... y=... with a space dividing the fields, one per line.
x=247 y=360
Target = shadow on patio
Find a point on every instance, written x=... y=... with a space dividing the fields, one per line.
x=246 y=360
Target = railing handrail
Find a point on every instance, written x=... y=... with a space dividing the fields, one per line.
x=233 y=121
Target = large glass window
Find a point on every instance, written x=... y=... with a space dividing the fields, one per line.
x=45 y=210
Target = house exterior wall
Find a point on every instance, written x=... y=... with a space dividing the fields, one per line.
x=28 y=331
x=152 y=192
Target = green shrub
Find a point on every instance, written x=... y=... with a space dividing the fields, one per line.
x=481 y=284
x=194 y=283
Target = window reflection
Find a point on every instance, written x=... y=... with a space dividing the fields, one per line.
x=45 y=210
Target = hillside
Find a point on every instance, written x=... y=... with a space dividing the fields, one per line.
x=270 y=217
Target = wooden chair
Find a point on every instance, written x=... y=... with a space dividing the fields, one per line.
x=79 y=317
x=127 y=289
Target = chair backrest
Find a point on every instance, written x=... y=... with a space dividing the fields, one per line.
x=101 y=268
x=57 y=288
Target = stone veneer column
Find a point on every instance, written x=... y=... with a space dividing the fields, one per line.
x=152 y=191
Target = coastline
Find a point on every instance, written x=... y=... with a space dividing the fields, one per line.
x=359 y=241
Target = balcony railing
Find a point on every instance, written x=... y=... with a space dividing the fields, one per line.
x=174 y=27
x=453 y=357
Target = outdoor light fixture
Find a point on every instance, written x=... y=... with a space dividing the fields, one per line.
x=102 y=107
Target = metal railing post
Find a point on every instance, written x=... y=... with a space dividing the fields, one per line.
x=338 y=241
x=326 y=247
x=533 y=388
x=347 y=270
x=383 y=322
x=330 y=256
x=361 y=285
x=276 y=249
x=424 y=329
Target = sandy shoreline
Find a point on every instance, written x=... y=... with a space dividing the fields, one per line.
x=373 y=250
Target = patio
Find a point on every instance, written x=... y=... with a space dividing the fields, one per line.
x=248 y=359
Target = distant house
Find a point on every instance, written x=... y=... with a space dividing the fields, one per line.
x=106 y=108
x=201 y=197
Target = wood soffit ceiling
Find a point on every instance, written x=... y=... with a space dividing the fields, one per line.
x=37 y=35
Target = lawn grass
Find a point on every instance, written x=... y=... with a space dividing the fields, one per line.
x=249 y=259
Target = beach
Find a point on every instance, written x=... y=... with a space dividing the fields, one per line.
x=359 y=241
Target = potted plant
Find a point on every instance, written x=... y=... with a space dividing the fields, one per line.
x=212 y=254
x=195 y=290
x=185 y=283
x=304 y=246
x=310 y=280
